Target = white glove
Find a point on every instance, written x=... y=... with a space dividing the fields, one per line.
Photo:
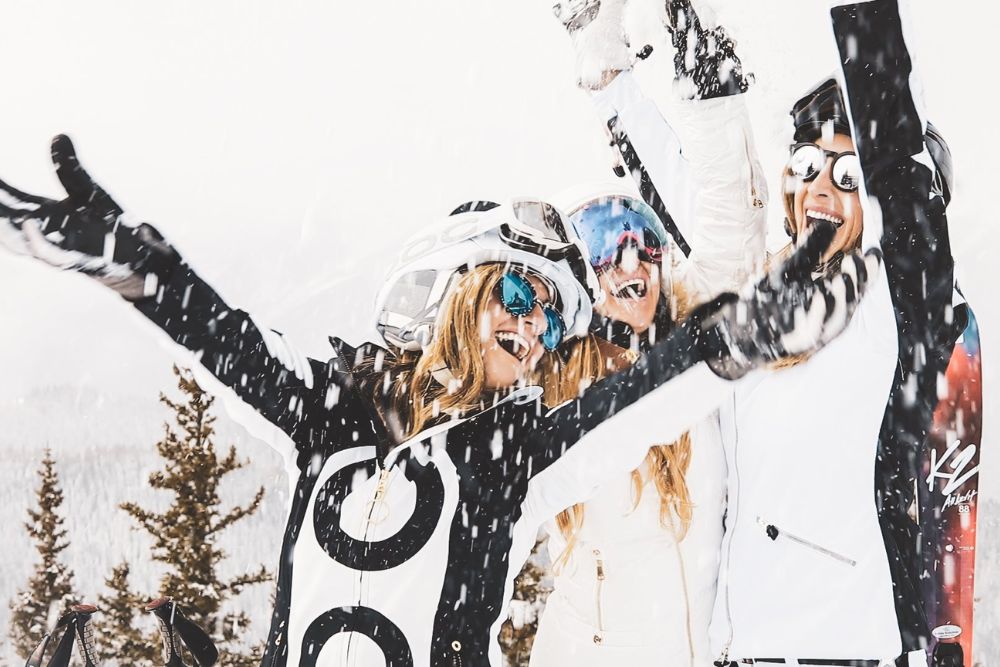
x=599 y=38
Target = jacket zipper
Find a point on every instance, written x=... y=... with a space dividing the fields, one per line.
x=599 y=635
x=755 y=196
x=369 y=521
x=684 y=587
x=774 y=533
x=724 y=658
x=383 y=479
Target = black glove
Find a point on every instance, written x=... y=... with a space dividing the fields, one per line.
x=704 y=59
x=85 y=232
x=788 y=313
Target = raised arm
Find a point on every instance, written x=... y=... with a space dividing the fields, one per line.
x=907 y=206
x=711 y=195
x=88 y=232
x=899 y=172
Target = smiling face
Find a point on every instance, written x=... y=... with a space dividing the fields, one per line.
x=819 y=199
x=510 y=345
x=632 y=288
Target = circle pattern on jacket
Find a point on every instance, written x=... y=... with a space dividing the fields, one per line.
x=395 y=550
x=363 y=620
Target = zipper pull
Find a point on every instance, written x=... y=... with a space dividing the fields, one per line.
x=373 y=517
x=773 y=533
x=383 y=475
x=600 y=565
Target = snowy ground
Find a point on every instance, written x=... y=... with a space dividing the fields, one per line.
x=286 y=148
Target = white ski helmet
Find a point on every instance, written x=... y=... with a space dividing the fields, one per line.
x=527 y=234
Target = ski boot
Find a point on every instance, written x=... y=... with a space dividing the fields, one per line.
x=178 y=633
x=73 y=625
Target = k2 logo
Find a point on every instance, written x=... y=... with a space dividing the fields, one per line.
x=957 y=462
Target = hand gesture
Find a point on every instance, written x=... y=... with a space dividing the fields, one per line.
x=705 y=61
x=85 y=232
x=788 y=313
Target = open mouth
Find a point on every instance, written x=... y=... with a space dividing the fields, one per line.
x=513 y=344
x=814 y=216
x=630 y=289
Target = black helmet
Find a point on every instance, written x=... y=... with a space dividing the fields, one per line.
x=825 y=104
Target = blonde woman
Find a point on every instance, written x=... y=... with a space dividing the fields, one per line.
x=423 y=470
x=636 y=565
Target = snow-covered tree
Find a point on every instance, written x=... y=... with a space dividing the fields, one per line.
x=185 y=536
x=50 y=588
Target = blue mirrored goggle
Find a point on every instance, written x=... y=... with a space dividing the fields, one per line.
x=609 y=224
x=518 y=297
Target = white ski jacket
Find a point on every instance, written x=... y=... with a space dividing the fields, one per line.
x=630 y=593
x=820 y=560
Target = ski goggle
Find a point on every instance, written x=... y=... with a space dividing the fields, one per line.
x=519 y=298
x=807 y=160
x=610 y=224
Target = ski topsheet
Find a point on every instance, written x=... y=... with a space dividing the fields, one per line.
x=949 y=503
x=645 y=184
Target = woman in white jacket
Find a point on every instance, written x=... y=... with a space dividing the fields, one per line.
x=636 y=565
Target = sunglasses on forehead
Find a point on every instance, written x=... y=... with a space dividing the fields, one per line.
x=807 y=160
x=519 y=298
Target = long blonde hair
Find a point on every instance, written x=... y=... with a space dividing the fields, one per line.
x=448 y=378
x=667 y=464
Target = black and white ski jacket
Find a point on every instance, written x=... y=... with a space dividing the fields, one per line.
x=406 y=554
x=820 y=558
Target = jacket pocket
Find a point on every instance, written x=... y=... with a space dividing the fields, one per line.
x=776 y=533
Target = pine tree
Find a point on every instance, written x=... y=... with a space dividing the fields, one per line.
x=50 y=588
x=120 y=641
x=185 y=536
x=531 y=590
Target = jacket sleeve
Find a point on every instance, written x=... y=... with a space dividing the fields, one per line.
x=730 y=215
x=882 y=92
x=656 y=144
x=713 y=190
x=608 y=430
x=288 y=390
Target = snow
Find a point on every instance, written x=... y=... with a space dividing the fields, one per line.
x=286 y=148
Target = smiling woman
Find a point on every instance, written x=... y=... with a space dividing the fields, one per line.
x=420 y=489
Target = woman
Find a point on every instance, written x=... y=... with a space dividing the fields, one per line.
x=424 y=470
x=820 y=561
x=636 y=565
